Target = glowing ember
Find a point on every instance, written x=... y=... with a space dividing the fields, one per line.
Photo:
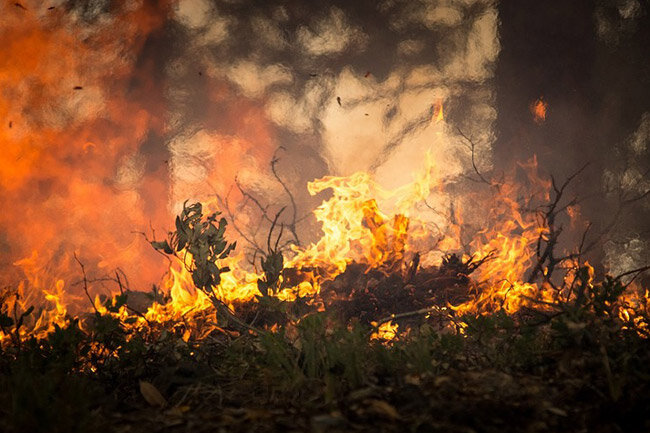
x=538 y=108
x=386 y=331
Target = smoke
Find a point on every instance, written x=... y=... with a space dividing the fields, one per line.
x=341 y=87
x=115 y=113
x=79 y=116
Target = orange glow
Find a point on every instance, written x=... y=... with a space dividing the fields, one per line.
x=79 y=103
x=538 y=108
x=69 y=167
x=438 y=114
x=364 y=223
x=387 y=331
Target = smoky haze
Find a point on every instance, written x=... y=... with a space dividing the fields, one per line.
x=138 y=106
x=590 y=61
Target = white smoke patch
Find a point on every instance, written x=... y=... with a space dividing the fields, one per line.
x=192 y=155
x=623 y=256
x=630 y=178
x=640 y=139
x=194 y=14
x=216 y=32
x=441 y=15
x=410 y=47
x=352 y=126
x=299 y=114
x=253 y=79
x=130 y=172
x=388 y=126
x=429 y=13
x=629 y=9
x=629 y=182
x=474 y=58
x=203 y=21
x=395 y=116
x=615 y=19
x=331 y=35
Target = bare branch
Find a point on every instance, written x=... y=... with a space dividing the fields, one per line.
x=85 y=282
x=472 y=147
x=291 y=226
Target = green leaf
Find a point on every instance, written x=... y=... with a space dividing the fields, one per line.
x=162 y=245
x=227 y=251
x=222 y=227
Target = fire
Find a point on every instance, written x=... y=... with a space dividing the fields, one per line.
x=69 y=169
x=386 y=331
x=538 y=108
x=354 y=226
x=382 y=229
x=78 y=108
x=438 y=114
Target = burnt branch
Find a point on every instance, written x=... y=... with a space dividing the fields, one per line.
x=225 y=204
x=472 y=147
x=634 y=272
x=118 y=280
x=292 y=225
x=420 y=312
x=266 y=218
x=547 y=241
x=85 y=282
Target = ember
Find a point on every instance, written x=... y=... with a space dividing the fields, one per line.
x=538 y=108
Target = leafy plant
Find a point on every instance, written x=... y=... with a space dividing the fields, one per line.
x=272 y=261
x=203 y=238
x=9 y=325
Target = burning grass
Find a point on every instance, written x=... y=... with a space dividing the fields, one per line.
x=392 y=321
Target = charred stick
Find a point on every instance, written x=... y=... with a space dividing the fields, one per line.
x=233 y=221
x=635 y=272
x=403 y=316
x=246 y=194
x=546 y=254
x=273 y=225
x=292 y=225
x=225 y=310
x=85 y=282
x=473 y=151
x=133 y=310
x=413 y=268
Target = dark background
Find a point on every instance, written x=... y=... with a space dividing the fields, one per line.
x=597 y=88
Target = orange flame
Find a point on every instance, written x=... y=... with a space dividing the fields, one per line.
x=73 y=177
x=538 y=109
x=438 y=114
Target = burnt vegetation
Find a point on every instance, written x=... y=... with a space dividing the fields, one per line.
x=327 y=363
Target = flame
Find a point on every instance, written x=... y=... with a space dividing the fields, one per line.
x=438 y=114
x=80 y=102
x=387 y=331
x=635 y=300
x=538 y=109
x=354 y=226
x=364 y=223
x=71 y=176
